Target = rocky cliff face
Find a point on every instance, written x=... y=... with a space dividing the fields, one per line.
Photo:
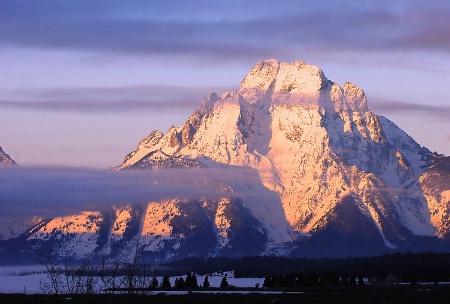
x=326 y=176
x=434 y=185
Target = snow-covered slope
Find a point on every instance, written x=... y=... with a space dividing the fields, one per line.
x=326 y=175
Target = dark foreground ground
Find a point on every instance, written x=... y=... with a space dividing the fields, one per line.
x=356 y=294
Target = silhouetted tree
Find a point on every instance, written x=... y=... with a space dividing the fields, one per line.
x=332 y=278
x=110 y=275
x=206 y=282
x=269 y=281
x=191 y=281
x=224 y=282
x=166 y=282
x=53 y=271
x=179 y=283
x=360 y=279
x=154 y=283
x=137 y=278
x=353 y=280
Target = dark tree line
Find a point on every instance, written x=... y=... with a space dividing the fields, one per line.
x=137 y=276
x=189 y=283
x=311 y=279
x=409 y=267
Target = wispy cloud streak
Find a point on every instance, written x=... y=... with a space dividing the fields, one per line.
x=104 y=99
x=436 y=111
x=99 y=106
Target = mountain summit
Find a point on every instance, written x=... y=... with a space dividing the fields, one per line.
x=327 y=177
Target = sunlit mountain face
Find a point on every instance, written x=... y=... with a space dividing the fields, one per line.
x=317 y=173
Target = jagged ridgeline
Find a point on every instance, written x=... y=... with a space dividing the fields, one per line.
x=332 y=179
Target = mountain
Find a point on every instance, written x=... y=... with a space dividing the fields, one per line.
x=5 y=160
x=317 y=173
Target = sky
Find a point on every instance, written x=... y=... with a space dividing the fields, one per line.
x=81 y=82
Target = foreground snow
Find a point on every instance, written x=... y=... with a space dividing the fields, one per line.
x=27 y=279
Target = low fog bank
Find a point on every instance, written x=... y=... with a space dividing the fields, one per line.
x=49 y=192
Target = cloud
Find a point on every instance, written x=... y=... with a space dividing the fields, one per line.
x=98 y=106
x=117 y=34
x=48 y=192
x=109 y=99
x=438 y=111
x=223 y=31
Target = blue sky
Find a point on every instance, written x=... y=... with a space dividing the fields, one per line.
x=81 y=82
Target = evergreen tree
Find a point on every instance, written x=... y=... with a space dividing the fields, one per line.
x=267 y=282
x=360 y=279
x=154 y=282
x=353 y=280
x=206 y=282
x=224 y=283
x=344 y=280
x=179 y=283
x=166 y=282
x=194 y=283
x=191 y=281
x=187 y=282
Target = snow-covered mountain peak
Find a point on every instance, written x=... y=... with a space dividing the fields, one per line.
x=318 y=172
x=313 y=144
